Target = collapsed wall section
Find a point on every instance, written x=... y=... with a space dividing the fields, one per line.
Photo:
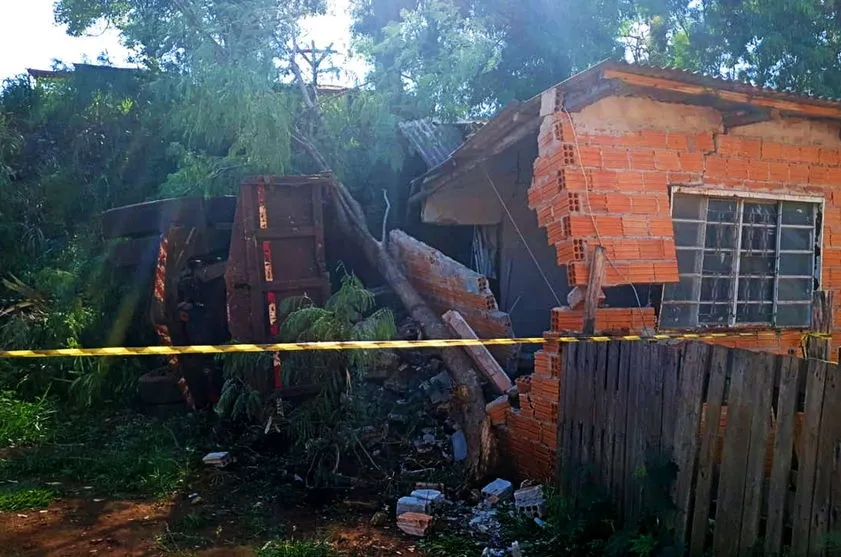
x=445 y=284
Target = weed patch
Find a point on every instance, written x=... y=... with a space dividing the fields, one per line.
x=293 y=548
x=22 y=498
x=124 y=456
x=22 y=422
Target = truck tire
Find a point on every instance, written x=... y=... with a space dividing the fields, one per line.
x=158 y=389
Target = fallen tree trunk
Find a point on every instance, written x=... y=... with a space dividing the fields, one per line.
x=474 y=421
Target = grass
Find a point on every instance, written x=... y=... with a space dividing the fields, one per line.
x=24 y=498
x=448 y=545
x=296 y=548
x=23 y=422
x=123 y=456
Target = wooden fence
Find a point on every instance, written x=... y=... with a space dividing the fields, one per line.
x=756 y=437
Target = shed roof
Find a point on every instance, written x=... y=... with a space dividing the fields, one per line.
x=739 y=102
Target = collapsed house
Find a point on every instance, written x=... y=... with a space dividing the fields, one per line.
x=713 y=202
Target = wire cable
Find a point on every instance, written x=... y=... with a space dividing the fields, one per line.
x=590 y=207
x=520 y=234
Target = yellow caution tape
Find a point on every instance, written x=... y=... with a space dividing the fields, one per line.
x=357 y=345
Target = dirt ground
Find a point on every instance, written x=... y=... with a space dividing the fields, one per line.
x=75 y=527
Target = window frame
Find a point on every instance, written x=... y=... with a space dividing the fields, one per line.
x=741 y=198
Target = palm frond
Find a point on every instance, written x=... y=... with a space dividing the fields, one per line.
x=294 y=303
x=352 y=300
x=379 y=325
x=301 y=321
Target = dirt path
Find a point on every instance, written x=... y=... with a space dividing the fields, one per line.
x=76 y=527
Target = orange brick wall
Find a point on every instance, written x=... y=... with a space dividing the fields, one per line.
x=446 y=284
x=607 y=183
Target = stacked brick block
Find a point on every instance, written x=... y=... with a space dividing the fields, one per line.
x=609 y=190
x=530 y=432
x=446 y=284
x=565 y=320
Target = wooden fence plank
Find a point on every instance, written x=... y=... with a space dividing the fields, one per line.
x=621 y=424
x=691 y=379
x=601 y=390
x=567 y=415
x=611 y=401
x=731 y=484
x=779 y=481
x=636 y=428
x=760 y=383
x=807 y=457
x=671 y=367
x=832 y=401
x=830 y=432
x=706 y=456
x=655 y=374
x=585 y=407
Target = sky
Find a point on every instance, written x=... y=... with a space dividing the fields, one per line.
x=30 y=38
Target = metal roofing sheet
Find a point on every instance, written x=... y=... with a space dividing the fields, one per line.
x=434 y=142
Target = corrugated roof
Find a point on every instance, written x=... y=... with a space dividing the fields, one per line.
x=433 y=141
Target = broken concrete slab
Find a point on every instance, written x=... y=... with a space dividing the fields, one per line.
x=414 y=524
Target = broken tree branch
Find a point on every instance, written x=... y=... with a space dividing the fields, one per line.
x=383 y=237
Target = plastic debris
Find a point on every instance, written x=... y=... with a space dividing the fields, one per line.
x=218 y=459
x=459 y=446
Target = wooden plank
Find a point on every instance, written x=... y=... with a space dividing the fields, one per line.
x=594 y=289
x=692 y=372
x=779 y=481
x=671 y=363
x=585 y=401
x=621 y=479
x=825 y=464
x=732 y=471
x=601 y=401
x=760 y=385
x=807 y=451
x=567 y=413
x=483 y=359
x=706 y=456
x=612 y=378
x=635 y=438
x=832 y=400
x=654 y=392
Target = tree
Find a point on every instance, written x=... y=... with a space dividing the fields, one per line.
x=467 y=58
x=785 y=44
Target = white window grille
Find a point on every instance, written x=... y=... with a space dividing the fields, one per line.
x=742 y=262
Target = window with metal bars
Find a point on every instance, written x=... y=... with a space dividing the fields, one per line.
x=742 y=262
